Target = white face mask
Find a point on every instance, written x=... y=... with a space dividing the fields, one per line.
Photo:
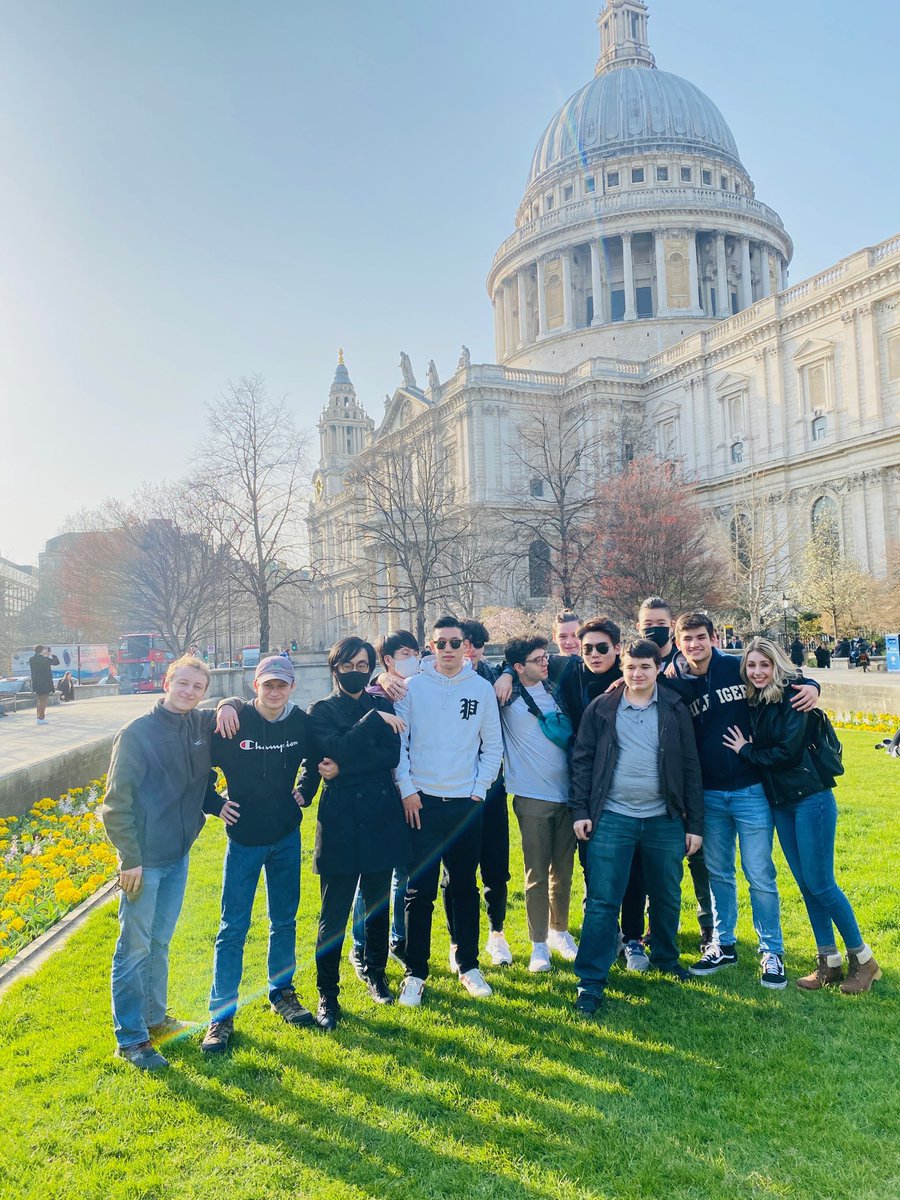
x=406 y=667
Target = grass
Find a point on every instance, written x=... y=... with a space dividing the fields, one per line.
x=711 y=1090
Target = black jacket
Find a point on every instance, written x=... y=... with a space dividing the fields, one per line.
x=41 y=673
x=260 y=765
x=596 y=751
x=576 y=686
x=360 y=826
x=779 y=750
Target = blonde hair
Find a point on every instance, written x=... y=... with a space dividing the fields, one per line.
x=190 y=661
x=784 y=671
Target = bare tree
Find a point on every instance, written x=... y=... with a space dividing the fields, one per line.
x=252 y=480
x=419 y=545
x=832 y=583
x=550 y=520
x=759 y=530
x=656 y=541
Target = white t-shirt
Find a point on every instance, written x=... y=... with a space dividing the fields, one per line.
x=533 y=765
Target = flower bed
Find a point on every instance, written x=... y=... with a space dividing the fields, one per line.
x=51 y=860
x=868 y=722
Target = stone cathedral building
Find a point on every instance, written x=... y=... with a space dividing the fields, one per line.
x=645 y=278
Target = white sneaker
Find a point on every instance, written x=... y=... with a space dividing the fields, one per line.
x=42 y=720
x=562 y=943
x=497 y=949
x=411 y=992
x=540 y=957
x=636 y=957
x=476 y=984
x=452 y=960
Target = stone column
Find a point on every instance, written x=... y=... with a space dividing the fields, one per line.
x=597 y=283
x=512 y=334
x=566 y=256
x=662 y=293
x=779 y=267
x=542 y=299
x=523 y=311
x=694 y=273
x=723 y=300
x=764 y=282
x=746 y=281
x=498 y=325
x=628 y=264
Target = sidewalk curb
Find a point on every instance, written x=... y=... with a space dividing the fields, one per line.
x=29 y=959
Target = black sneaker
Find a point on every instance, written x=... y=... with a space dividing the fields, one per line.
x=587 y=1003
x=772 y=973
x=143 y=1056
x=715 y=958
x=378 y=989
x=218 y=1036
x=677 y=972
x=288 y=1007
x=329 y=1013
x=357 y=962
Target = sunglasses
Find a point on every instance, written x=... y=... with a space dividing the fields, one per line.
x=589 y=648
x=453 y=643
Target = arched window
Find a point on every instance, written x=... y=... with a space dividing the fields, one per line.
x=742 y=539
x=539 y=569
x=824 y=518
x=737 y=452
x=819 y=428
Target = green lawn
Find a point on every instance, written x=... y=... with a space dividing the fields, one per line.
x=708 y=1090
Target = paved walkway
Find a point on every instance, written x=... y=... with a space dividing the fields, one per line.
x=23 y=742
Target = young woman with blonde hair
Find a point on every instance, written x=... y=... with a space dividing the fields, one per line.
x=805 y=813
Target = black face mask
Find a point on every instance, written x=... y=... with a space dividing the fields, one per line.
x=353 y=682
x=660 y=634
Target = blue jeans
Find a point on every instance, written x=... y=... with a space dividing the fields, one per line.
x=609 y=855
x=806 y=832
x=140 y=968
x=398 y=918
x=744 y=816
x=243 y=864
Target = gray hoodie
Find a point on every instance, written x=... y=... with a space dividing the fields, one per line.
x=452 y=744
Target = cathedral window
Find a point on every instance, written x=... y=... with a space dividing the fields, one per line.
x=686 y=174
x=537 y=488
x=568 y=192
x=723 y=182
x=612 y=178
x=539 y=569
x=667 y=437
x=637 y=174
x=737 y=452
x=662 y=174
x=548 y=202
x=643 y=299
x=706 y=177
x=617 y=304
x=589 y=184
x=819 y=428
x=893 y=357
x=742 y=539
x=824 y=518
x=628 y=453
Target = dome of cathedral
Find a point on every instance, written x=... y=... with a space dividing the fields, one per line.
x=631 y=110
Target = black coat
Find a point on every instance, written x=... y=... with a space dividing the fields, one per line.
x=41 y=668
x=360 y=826
x=779 y=750
x=597 y=748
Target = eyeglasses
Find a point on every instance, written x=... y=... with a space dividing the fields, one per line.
x=589 y=648
x=345 y=668
x=538 y=659
x=453 y=643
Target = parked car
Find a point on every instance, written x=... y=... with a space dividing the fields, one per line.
x=14 y=685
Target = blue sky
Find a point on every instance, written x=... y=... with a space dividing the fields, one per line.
x=196 y=191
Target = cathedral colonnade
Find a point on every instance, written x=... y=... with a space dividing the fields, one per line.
x=636 y=274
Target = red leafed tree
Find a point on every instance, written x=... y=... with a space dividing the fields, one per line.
x=657 y=541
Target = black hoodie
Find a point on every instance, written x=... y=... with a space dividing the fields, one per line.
x=260 y=765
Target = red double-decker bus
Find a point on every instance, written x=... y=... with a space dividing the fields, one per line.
x=143 y=660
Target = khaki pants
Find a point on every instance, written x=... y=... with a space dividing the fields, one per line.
x=548 y=847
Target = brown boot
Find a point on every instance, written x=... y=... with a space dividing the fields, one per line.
x=860 y=976
x=822 y=976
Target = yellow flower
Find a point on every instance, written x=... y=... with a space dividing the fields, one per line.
x=17 y=923
x=6 y=914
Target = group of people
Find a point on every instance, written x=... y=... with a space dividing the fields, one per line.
x=628 y=756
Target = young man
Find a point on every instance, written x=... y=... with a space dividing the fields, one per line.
x=736 y=808
x=635 y=782
x=656 y=623
x=537 y=774
x=262 y=814
x=152 y=812
x=398 y=653
x=41 y=666
x=564 y=632
x=450 y=752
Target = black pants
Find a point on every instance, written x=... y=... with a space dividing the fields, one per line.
x=494 y=860
x=338 y=892
x=451 y=831
x=634 y=902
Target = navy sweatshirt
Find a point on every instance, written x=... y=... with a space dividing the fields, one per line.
x=260 y=765
x=716 y=701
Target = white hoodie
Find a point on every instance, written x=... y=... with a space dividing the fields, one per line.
x=453 y=744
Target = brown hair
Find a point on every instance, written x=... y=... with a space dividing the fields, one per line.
x=187 y=660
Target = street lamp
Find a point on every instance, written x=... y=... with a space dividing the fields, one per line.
x=785 y=603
